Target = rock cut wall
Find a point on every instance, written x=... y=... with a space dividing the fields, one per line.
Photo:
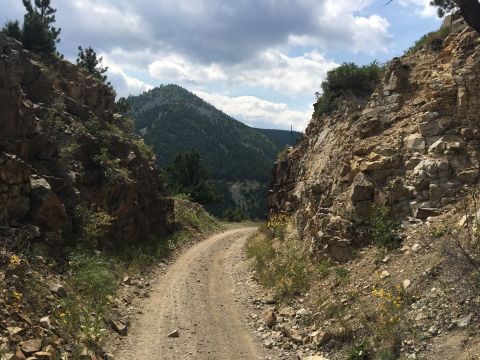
x=47 y=155
x=411 y=148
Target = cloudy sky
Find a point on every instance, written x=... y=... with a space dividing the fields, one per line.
x=260 y=61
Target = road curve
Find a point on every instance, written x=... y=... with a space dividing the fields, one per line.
x=195 y=296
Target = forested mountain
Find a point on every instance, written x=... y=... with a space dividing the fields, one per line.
x=281 y=138
x=172 y=119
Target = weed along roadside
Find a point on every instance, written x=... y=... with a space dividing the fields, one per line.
x=88 y=299
x=378 y=304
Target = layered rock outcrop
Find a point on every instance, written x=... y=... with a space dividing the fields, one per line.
x=411 y=148
x=56 y=124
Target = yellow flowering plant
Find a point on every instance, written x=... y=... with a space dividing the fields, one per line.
x=389 y=303
x=15 y=260
x=277 y=224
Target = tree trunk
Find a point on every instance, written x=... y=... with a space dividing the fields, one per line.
x=470 y=10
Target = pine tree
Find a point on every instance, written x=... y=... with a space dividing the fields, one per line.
x=88 y=60
x=188 y=176
x=12 y=29
x=38 y=33
x=443 y=6
x=470 y=10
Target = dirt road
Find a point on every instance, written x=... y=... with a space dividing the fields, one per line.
x=199 y=296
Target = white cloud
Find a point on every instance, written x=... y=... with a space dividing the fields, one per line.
x=125 y=84
x=371 y=35
x=273 y=70
x=255 y=111
x=422 y=7
x=293 y=76
x=176 y=68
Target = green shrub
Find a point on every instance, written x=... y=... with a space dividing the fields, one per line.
x=94 y=126
x=283 y=265
x=12 y=29
x=124 y=126
x=385 y=353
x=90 y=287
x=146 y=150
x=234 y=215
x=322 y=267
x=92 y=224
x=92 y=276
x=54 y=115
x=360 y=351
x=191 y=217
x=439 y=231
x=382 y=229
x=112 y=170
x=433 y=41
x=282 y=155
x=342 y=274
x=347 y=80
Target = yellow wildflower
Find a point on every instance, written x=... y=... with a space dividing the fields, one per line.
x=17 y=296
x=15 y=260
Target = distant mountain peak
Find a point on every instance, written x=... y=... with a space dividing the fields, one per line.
x=172 y=119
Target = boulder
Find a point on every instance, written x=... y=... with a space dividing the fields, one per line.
x=362 y=189
x=57 y=289
x=469 y=176
x=431 y=125
x=453 y=143
x=174 y=334
x=423 y=213
x=119 y=326
x=31 y=346
x=270 y=318
x=415 y=142
x=46 y=210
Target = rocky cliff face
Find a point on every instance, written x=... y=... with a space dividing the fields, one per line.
x=62 y=146
x=411 y=148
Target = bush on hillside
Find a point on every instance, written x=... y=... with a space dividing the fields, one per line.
x=12 y=29
x=347 y=80
x=112 y=170
x=382 y=229
x=433 y=41
x=282 y=155
x=282 y=262
x=234 y=215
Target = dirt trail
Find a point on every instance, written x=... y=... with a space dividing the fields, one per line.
x=199 y=297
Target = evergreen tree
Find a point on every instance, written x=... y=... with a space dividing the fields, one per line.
x=12 y=29
x=188 y=176
x=444 y=6
x=88 y=60
x=122 y=106
x=470 y=10
x=38 y=33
